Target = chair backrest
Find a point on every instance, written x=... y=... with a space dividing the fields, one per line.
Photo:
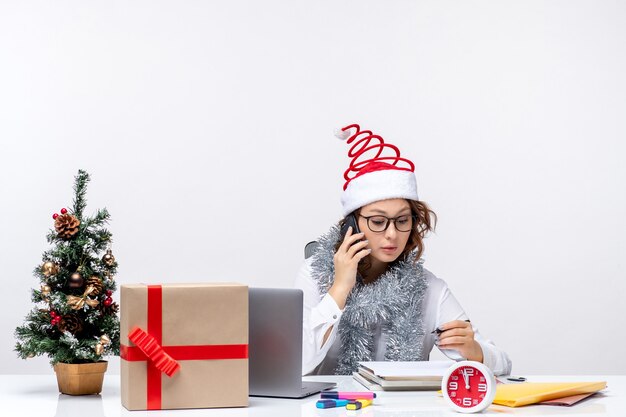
x=309 y=249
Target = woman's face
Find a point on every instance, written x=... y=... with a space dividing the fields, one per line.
x=387 y=245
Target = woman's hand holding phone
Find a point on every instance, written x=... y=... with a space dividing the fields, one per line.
x=346 y=260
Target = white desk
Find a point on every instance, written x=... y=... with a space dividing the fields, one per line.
x=37 y=396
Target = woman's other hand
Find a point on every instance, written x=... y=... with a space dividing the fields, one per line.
x=459 y=335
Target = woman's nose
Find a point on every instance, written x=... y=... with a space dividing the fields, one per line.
x=391 y=231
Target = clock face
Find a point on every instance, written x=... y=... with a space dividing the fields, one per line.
x=469 y=386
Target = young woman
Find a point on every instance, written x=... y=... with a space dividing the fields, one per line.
x=367 y=295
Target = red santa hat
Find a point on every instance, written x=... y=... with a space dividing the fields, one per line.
x=374 y=173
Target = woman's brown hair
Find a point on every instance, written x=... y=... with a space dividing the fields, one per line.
x=425 y=221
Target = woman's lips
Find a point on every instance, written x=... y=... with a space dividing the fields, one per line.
x=389 y=249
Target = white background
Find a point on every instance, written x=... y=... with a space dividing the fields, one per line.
x=207 y=129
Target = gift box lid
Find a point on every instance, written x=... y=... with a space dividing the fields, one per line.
x=191 y=313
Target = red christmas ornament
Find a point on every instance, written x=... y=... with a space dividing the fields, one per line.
x=55 y=215
x=63 y=210
x=108 y=301
x=53 y=314
x=109 y=293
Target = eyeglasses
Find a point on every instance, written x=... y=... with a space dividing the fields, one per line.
x=381 y=223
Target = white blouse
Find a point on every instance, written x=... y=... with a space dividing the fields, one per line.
x=439 y=306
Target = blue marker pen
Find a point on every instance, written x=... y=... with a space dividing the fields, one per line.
x=330 y=403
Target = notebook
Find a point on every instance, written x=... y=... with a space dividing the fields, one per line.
x=422 y=375
x=275 y=345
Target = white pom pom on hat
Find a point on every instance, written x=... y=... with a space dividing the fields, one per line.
x=342 y=134
x=373 y=176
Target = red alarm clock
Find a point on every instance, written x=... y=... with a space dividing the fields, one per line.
x=468 y=387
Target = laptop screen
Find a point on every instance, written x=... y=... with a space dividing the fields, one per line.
x=275 y=341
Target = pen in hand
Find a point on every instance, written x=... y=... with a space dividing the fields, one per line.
x=439 y=331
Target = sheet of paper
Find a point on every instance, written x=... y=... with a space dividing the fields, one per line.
x=567 y=401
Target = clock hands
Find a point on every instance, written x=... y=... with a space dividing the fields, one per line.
x=466 y=378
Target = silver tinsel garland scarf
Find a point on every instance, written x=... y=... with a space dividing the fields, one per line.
x=394 y=301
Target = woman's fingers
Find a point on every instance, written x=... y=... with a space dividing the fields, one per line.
x=362 y=254
x=455 y=324
x=457 y=332
x=349 y=239
x=356 y=248
x=459 y=335
x=454 y=341
x=447 y=335
x=343 y=246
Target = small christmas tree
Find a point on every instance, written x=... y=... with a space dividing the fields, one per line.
x=74 y=319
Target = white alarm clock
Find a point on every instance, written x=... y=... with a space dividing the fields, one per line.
x=468 y=387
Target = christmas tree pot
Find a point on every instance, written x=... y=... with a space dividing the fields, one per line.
x=80 y=378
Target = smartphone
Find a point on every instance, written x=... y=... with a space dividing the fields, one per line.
x=350 y=220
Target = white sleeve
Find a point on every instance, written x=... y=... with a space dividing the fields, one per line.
x=495 y=358
x=318 y=316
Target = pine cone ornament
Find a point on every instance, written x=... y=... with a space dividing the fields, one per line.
x=66 y=225
x=96 y=283
x=71 y=323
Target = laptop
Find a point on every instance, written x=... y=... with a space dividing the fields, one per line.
x=275 y=345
